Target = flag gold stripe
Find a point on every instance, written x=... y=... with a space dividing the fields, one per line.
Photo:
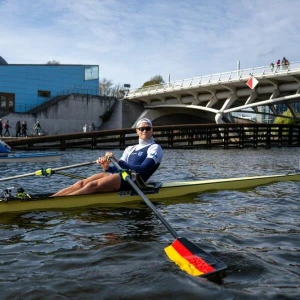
x=184 y=264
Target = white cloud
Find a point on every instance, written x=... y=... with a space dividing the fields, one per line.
x=134 y=40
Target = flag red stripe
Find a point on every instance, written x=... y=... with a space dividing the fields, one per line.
x=195 y=260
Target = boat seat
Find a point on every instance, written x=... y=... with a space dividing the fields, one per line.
x=143 y=185
x=146 y=187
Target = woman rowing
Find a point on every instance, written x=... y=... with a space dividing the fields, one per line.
x=144 y=158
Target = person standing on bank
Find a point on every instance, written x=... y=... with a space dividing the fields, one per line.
x=144 y=158
x=1 y=128
x=18 y=129
x=24 y=129
x=6 y=127
x=85 y=128
x=37 y=127
x=91 y=127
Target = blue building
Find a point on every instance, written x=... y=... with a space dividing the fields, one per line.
x=25 y=86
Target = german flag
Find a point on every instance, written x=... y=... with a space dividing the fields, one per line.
x=192 y=259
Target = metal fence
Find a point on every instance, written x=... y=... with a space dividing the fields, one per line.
x=174 y=136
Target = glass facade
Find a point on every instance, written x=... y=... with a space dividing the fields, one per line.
x=91 y=72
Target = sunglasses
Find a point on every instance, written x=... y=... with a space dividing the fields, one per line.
x=148 y=128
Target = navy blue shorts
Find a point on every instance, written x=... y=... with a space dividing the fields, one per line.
x=125 y=186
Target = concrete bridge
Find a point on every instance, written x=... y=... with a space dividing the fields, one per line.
x=213 y=98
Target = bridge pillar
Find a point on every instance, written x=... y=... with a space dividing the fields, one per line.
x=219 y=118
x=274 y=96
x=229 y=101
x=251 y=98
x=292 y=110
x=196 y=100
x=212 y=101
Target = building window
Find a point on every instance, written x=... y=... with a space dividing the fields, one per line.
x=44 y=94
x=91 y=72
x=7 y=102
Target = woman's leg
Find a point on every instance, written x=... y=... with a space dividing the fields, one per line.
x=80 y=184
x=110 y=183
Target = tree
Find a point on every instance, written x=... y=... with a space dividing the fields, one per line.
x=107 y=88
x=53 y=62
x=157 y=79
x=286 y=118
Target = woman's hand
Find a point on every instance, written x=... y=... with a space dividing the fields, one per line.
x=104 y=162
x=109 y=155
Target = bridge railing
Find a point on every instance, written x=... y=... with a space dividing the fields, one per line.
x=224 y=77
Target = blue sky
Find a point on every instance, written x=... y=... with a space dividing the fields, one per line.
x=133 y=40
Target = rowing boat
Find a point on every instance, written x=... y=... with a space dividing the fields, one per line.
x=154 y=191
x=4 y=148
x=30 y=157
x=6 y=156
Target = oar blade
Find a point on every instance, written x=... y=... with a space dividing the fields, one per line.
x=193 y=260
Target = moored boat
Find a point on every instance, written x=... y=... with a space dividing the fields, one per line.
x=4 y=149
x=6 y=156
x=154 y=191
x=30 y=157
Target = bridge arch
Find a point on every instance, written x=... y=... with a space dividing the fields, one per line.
x=171 y=114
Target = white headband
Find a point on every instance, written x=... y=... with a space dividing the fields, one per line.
x=144 y=120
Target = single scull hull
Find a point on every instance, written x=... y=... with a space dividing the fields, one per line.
x=167 y=190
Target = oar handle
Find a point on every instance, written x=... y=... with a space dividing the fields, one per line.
x=125 y=175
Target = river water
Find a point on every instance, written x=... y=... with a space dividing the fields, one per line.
x=118 y=253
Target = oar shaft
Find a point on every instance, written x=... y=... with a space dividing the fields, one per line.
x=17 y=176
x=185 y=254
x=56 y=169
x=69 y=175
x=74 y=166
x=146 y=200
x=152 y=207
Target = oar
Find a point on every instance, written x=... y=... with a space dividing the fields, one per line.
x=48 y=171
x=189 y=257
x=67 y=174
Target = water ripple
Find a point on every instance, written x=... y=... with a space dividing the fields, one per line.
x=117 y=253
